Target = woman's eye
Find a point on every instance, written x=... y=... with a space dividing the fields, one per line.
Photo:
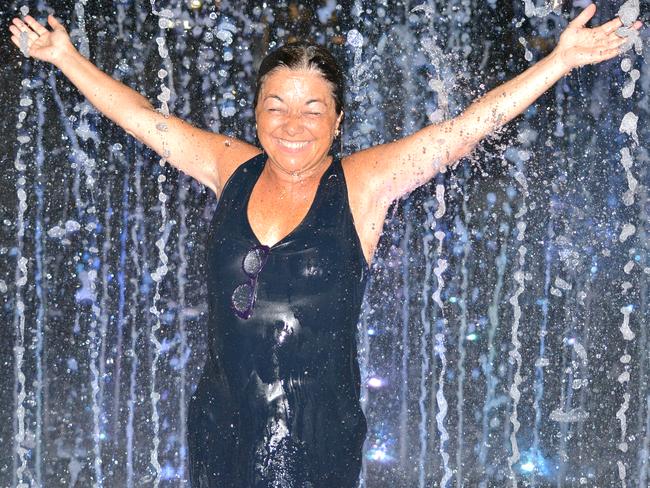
x=314 y=113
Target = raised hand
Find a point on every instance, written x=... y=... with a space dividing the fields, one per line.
x=40 y=42
x=580 y=45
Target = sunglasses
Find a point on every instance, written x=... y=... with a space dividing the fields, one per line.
x=243 y=298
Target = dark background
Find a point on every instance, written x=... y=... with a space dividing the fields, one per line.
x=565 y=148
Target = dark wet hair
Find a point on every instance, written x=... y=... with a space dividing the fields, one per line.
x=304 y=55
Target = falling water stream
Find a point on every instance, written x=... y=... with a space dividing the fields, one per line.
x=503 y=339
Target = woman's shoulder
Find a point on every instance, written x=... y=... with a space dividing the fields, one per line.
x=241 y=155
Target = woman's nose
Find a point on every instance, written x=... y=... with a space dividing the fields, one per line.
x=293 y=124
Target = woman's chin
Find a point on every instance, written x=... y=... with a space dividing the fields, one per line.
x=291 y=164
x=295 y=161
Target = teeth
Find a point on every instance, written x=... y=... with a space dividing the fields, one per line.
x=292 y=145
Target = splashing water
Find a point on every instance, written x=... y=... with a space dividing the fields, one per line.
x=509 y=306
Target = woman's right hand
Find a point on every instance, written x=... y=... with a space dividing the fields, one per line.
x=42 y=43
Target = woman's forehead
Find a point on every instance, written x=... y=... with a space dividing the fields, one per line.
x=286 y=83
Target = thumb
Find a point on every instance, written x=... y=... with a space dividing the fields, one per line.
x=584 y=16
x=55 y=24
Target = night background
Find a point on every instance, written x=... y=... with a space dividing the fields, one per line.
x=504 y=334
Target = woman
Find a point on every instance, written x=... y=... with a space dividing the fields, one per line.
x=290 y=245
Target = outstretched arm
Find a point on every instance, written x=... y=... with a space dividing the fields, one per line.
x=396 y=168
x=206 y=156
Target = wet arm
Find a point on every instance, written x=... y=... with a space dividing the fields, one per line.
x=396 y=168
x=194 y=151
x=204 y=155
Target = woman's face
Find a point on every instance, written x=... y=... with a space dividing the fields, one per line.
x=296 y=118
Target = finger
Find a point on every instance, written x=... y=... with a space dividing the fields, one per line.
x=613 y=44
x=16 y=41
x=19 y=44
x=18 y=33
x=619 y=42
x=22 y=27
x=55 y=24
x=605 y=54
x=624 y=32
x=35 y=25
x=611 y=26
x=616 y=39
x=586 y=14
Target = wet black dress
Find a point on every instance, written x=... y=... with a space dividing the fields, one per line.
x=278 y=402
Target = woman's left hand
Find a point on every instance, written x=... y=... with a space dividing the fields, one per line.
x=580 y=45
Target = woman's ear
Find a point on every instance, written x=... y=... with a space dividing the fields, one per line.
x=339 y=120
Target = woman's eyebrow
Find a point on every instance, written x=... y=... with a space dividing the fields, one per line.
x=311 y=100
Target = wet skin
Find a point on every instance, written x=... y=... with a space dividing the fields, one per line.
x=296 y=123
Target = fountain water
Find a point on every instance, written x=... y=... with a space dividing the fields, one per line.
x=504 y=334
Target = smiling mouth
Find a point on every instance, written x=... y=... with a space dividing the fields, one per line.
x=292 y=144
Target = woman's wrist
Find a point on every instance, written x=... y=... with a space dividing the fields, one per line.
x=65 y=56
x=558 y=62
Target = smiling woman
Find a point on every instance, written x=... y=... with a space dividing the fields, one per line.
x=284 y=367
x=290 y=244
x=296 y=120
x=298 y=108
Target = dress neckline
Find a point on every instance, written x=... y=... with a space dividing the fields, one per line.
x=317 y=194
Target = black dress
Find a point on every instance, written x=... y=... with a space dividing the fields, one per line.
x=278 y=402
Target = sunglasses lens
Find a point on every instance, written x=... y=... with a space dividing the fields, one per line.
x=241 y=297
x=254 y=261
x=244 y=295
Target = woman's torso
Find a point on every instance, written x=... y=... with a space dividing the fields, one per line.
x=291 y=368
